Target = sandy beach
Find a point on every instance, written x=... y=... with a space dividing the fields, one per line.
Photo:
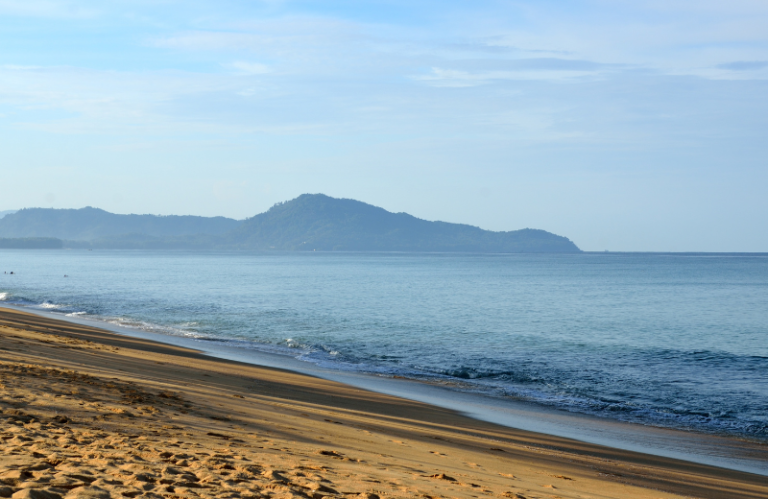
x=89 y=413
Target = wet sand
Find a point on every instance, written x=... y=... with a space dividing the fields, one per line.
x=88 y=413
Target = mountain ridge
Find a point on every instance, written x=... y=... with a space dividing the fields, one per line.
x=310 y=222
x=92 y=223
x=320 y=222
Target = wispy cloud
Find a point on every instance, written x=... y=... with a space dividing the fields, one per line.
x=251 y=68
x=466 y=73
x=744 y=65
x=99 y=101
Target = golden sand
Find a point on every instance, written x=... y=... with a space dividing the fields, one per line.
x=87 y=413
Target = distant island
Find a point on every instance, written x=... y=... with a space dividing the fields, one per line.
x=311 y=222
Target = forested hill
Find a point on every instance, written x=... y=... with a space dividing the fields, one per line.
x=309 y=222
x=318 y=222
x=92 y=223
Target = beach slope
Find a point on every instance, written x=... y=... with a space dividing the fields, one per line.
x=88 y=413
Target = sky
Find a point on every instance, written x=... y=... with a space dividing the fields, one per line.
x=622 y=125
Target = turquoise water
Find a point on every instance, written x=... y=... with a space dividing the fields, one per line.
x=678 y=341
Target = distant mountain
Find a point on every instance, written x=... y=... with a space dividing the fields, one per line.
x=318 y=222
x=92 y=223
x=6 y=212
x=309 y=222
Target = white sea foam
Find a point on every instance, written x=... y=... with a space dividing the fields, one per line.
x=3 y=296
x=76 y=314
x=50 y=306
x=180 y=330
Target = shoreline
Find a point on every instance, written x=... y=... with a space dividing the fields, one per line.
x=406 y=448
x=722 y=451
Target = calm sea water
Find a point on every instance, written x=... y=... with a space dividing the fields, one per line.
x=670 y=340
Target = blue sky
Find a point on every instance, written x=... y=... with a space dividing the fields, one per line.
x=622 y=125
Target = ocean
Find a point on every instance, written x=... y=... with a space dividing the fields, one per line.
x=670 y=340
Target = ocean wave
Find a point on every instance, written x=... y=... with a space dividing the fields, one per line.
x=187 y=324
x=20 y=301
x=50 y=306
x=36 y=303
x=185 y=329
x=182 y=330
